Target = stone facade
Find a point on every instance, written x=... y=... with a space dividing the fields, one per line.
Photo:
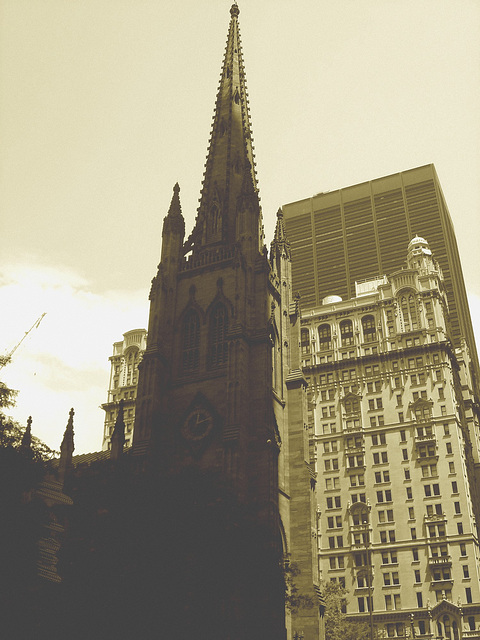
x=396 y=443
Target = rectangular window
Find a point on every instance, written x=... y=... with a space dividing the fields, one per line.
x=460 y=527
x=463 y=549
x=413 y=533
x=456 y=506
x=406 y=472
x=415 y=554
x=417 y=575
x=409 y=493
x=419 y=599
x=405 y=454
x=466 y=573
x=468 y=594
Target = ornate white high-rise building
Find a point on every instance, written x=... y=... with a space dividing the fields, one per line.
x=123 y=383
x=396 y=443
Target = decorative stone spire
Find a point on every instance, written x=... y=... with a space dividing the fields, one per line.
x=280 y=242
x=66 y=449
x=26 y=444
x=118 y=436
x=230 y=167
x=174 y=220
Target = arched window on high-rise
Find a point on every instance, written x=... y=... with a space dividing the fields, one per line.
x=324 y=337
x=305 y=341
x=409 y=312
x=218 y=349
x=369 y=330
x=346 y=332
x=191 y=341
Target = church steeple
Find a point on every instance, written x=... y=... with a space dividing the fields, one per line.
x=230 y=177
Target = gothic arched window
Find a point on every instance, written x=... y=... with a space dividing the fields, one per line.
x=346 y=332
x=369 y=330
x=218 y=336
x=324 y=337
x=190 y=341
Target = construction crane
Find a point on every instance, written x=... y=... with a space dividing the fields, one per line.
x=7 y=357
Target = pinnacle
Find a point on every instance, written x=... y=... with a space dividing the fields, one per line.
x=174 y=220
x=230 y=167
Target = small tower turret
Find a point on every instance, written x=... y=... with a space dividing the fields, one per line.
x=26 y=444
x=66 y=450
x=172 y=234
x=118 y=436
x=280 y=245
x=419 y=256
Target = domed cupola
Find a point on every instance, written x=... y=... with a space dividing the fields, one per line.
x=418 y=253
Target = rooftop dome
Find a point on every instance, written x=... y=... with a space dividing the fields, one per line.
x=417 y=240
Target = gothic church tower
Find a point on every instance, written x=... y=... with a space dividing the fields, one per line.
x=221 y=361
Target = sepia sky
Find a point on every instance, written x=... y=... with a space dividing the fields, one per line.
x=105 y=104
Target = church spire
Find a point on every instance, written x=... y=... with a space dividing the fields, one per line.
x=230 y=172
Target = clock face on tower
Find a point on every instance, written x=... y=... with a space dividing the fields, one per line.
x=197 y=425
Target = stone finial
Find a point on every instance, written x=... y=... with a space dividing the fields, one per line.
x=234 y=10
